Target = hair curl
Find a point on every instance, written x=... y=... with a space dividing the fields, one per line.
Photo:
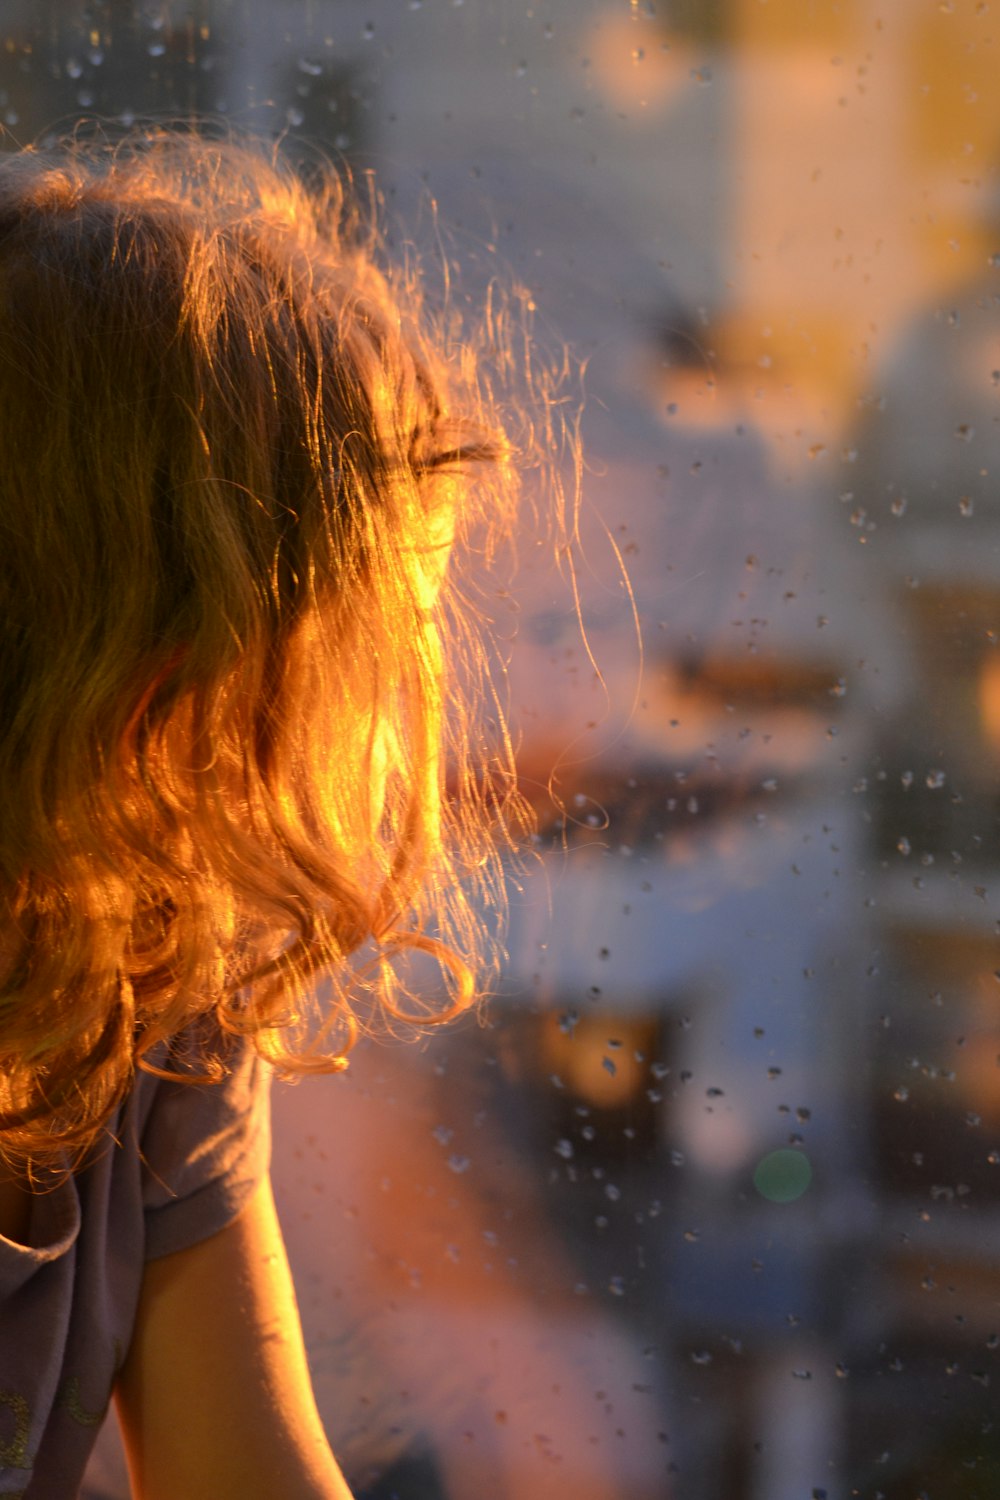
x=235 y=747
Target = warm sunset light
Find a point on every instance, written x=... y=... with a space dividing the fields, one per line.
x=500 y=605
x=602 y=1059
x=989 y=699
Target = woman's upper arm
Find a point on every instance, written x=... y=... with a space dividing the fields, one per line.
x=215 y=1399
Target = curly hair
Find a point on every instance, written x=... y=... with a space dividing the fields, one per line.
x=235 y=746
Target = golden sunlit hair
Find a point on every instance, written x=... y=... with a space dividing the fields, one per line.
x=235 y=749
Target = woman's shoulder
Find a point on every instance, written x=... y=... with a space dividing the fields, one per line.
x=201 y=1128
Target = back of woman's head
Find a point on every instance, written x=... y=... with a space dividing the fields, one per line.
x=235 y=453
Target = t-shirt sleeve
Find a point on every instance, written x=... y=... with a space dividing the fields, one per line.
x=205 y=1149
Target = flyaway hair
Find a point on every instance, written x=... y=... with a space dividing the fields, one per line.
x=243 y=731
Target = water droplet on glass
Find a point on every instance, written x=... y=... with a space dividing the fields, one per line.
x=156 y=49
x=904 y=846
x=901 y=1094
x=74 y=69
x=935 y=779
x=294 y=116
x=307 y=65
x=898 y=506
x=459 y=1164
x=965 y=506
x=564 y=1149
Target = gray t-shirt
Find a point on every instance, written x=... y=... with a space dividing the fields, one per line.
x=187 y=1160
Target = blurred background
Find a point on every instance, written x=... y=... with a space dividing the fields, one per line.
x=709 y=1207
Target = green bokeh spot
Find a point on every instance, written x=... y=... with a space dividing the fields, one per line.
x=782 y=1176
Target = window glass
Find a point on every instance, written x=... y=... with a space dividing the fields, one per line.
x=705 y=1206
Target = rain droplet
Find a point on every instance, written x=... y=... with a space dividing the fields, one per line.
x=904 y=846
x=307 y=65
x=935 y=779
x=564 y=1149
x=459 y=1164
